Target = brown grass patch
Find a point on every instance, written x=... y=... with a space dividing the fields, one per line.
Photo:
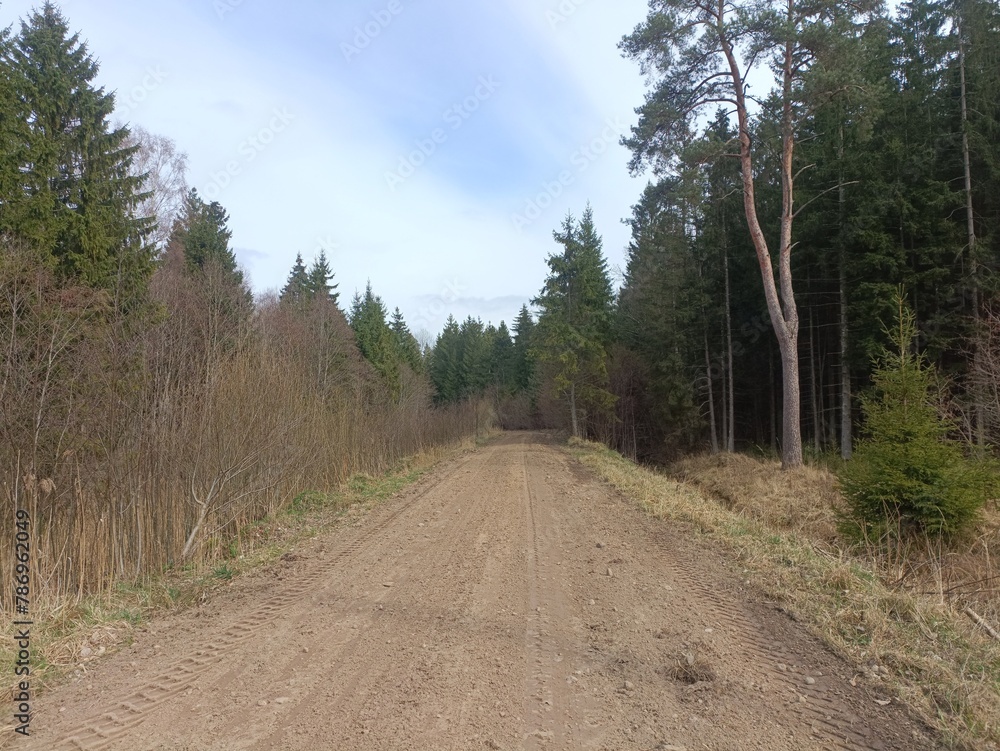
x=690 y=667
x=804 y=500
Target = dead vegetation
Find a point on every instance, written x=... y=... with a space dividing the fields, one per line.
x=803 y=501
x=691 y=667
x=148 y=440
x=901 y=616
x=70 y=633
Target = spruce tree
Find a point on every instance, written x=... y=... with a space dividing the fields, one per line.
x=908 y=476
x=502 y=359
x=475 y=351
x=74 y=196
x=374 y=337
x=407 y=346
x=574 y=326
x=297 y=288
x=203 y=233
x=13 y=134
x=320 y=276
x=665 y=324
x=523 y=366
x=445 y=364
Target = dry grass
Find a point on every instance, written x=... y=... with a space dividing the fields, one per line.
x=69 y=633
x=691 y=667
x=807 y=502
x=804 y=501
x=781 y=526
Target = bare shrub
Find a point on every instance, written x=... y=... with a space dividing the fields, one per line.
x=144 y=439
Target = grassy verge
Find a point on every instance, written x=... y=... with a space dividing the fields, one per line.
x=68 y=635
x=780 y=526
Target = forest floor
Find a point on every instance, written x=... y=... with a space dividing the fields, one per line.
x=507 y=600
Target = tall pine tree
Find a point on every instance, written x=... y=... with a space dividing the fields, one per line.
x=523 y=365
x=297 y=288
x=407 y=346
x=375 y=338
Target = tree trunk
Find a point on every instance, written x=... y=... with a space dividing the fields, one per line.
x=572 y=409
x=774 y=398
x=724 y=402
x=731 y=401
x=830 y=408
x=711 y=397
x=781 y=308
x=814 y=387
x=970 y=221
x=192 y=538
x=846 y=412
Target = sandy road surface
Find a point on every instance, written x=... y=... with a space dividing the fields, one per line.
x=508 y=601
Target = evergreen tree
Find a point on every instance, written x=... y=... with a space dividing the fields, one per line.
x=374 y=337
x=320 y=276
x=445 y=364
x=407 y=346
x=907 y=475
x=575 y=323
x=297 y=288
x=475 y=351
x=699 y=56
x=73 y=194
x=662 y=320
x=13 y=134
x=523 y=365
x=203 y=233
x=502 y=359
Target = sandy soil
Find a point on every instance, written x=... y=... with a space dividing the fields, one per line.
x=508 y=601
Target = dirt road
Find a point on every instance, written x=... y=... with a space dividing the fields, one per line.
x=508 y=601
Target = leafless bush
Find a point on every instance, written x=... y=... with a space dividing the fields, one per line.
x=142 y=443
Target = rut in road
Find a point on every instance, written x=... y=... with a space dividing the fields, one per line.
x=508 y=601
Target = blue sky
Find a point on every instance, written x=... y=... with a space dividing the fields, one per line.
x=428 y=146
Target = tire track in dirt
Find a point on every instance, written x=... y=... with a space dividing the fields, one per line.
x=842 y=728
x=555 y=716
x=131 y=710
x=654 y=597
x=364 y=648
